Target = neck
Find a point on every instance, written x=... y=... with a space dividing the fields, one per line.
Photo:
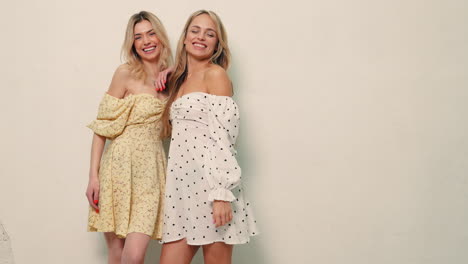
x=151 y=68
x=195 y=65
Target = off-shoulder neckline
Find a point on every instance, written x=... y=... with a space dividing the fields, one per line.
x=187 y=94
x=139 y=94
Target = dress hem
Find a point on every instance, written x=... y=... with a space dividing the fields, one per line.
x=120 y=234
x=210 y=242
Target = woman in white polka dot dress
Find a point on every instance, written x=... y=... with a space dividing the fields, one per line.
x=204 y=205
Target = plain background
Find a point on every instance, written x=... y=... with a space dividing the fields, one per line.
x=354 y=138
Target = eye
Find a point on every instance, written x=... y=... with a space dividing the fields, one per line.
x=152 y=34
x=136 y=38
x=194 y=31
x=211 y=35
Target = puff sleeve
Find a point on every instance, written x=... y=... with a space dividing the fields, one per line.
x=112 y=116
x=223 y=172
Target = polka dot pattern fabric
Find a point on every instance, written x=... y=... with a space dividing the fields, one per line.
x=202 y=167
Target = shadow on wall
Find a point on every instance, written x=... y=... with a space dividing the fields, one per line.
x=6 y=253
x=153 y=252
x=251 y=253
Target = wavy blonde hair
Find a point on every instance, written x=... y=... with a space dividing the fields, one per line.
x=221 y=57
x=129 y=54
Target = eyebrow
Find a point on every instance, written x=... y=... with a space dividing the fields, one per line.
x=206 y=28
x=144 y=32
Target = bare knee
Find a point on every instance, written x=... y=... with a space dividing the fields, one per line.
x=133 y=257
x=217 y=253
x=115 y=247
x=216 y=259
x=115 y=254
x=178 y=252
x=135 y=248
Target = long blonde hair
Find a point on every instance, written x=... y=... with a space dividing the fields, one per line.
x=129 y=54
x=221 y=57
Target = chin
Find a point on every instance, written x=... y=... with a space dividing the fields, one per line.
x=150 y=58
x=200 y=55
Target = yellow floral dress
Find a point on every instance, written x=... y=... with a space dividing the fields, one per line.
x=133 y=166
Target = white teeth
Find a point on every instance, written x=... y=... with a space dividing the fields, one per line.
x=199 y=45
x=149 y=49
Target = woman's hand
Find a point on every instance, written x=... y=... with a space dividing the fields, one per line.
x=160 y=82
x=222 y=213
x=92 y=193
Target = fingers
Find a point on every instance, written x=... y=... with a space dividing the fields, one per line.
x=230 y=216
x=222 y=213
x=160 y=83
x=92 y=193
x=164 y=78
x=227 y=216
x=89 y=195
x=96 y=200
x=217 y=221
x=217 y=216
x=223 y=219
x=157 y=84
x=163 y=84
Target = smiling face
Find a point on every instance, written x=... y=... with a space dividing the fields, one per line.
x=145 y=42
x=201 y=39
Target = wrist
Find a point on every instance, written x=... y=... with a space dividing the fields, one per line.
x=93 y=175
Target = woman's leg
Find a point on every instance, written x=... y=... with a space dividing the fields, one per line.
x=177 y=252
x=135 y=248
x=115 y=246
x=217 y=253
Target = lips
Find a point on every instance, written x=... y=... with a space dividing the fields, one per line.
x=199 y=45
x=149 y=49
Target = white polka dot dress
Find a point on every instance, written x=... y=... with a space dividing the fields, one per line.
x=202 y=167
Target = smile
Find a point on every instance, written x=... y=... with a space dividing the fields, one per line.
x=149 y=49
x=199 y=45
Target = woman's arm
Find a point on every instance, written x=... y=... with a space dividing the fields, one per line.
x=92 y=192
x=117 y=89
x=218 y=83
x=160 y=82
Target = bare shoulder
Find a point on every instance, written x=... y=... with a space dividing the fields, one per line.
x=123 y=71
x=118 y=86
x=217 y=81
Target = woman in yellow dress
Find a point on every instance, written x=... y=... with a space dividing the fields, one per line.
x=126 y=186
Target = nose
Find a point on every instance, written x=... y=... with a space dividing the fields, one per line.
x=201 y=36
x=146 y=40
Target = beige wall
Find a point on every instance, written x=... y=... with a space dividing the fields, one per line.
x=354 y=139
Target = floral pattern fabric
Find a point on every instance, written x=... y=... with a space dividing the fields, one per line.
x=133 y=166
